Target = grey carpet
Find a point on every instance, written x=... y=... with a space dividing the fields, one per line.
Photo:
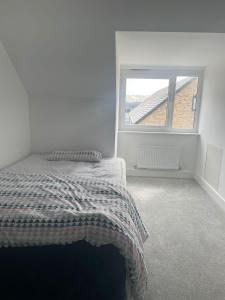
x=185 y=253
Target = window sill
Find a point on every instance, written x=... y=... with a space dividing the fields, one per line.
x=157 y=132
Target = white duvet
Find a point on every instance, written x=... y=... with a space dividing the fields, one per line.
x=110 y=168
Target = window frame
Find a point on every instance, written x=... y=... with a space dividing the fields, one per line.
x=170 y=73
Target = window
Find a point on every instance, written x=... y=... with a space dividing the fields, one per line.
x=160 y=99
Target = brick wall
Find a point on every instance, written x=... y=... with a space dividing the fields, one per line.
x=157 y=117
x=183 y=114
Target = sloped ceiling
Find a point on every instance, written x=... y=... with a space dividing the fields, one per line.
x=66 y=48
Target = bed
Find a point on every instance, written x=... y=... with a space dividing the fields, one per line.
x=64 y=259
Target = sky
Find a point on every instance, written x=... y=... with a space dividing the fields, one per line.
x=145 y=86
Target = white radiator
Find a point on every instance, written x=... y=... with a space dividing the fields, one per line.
x=158 y=157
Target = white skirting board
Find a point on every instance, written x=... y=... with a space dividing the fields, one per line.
x=211 y=191
x=160 y=173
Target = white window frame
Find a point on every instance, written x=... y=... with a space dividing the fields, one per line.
x=160 y=73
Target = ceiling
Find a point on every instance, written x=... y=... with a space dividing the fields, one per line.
x=66 y=48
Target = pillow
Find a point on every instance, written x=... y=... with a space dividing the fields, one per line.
x=92 y=156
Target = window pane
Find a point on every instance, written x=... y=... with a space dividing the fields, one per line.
x=146 y=101
x=185 y=102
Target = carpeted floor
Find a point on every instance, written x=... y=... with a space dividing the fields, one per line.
x=185 y=253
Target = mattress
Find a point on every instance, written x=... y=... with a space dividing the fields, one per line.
x=108 y=168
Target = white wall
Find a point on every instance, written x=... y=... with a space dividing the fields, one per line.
x=14 y=114
x=212 y=121
x=72 y=124
x=128 y=144
x=66 y=50
x=180 y=49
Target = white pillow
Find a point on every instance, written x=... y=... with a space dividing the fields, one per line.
x=91 y=155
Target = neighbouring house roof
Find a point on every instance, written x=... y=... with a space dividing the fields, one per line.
x=154 y=101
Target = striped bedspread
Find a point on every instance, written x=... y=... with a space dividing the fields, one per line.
x=52 y=209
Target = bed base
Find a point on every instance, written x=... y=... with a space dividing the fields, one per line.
x=78 y=271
